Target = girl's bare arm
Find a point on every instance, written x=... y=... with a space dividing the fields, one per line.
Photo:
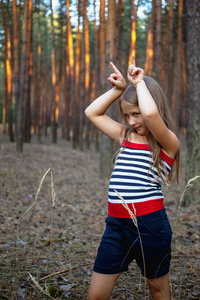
x=95 y=112
x=166 y=138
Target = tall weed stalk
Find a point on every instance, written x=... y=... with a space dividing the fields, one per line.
x=51 y=230
x=52 y=208
x=36 y=196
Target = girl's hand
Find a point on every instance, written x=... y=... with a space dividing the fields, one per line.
x=134 y=74
x=116 y=79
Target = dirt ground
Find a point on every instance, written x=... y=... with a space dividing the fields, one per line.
x=62 y=241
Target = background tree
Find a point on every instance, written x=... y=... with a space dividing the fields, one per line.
x=8 y=93
x=193 y=96
x=15 y=50
x=70 y=70
x=20 y=100
x=170 y=57
x=157 y=51
x=102 y=38
x=133 y=29
x=39 y=77
x=53 y=79
x=106 y=146
x=28 y=76
x=87 y=68
x=148 y=67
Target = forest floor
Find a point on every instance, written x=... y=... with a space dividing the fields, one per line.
x=62 y=241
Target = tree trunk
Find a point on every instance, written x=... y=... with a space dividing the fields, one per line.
x=178 y=105
x=16 y=54
x=30 y=66
x=119 y=29
x=193 y=96
x=82 y=88
x=158 y=40
x=39 y=77
x=4 y=99
x=64 y=93
x=57 y=96
x=53 y=80
x=20 y=112
x=170 y=55
x=8 y=68
x=133 y=29
x=106 y=146
x=70 y=72
x=28 y=74
x=46 y=84
x=94 y=88
x=148 y=67
x=62 y=65
x=76 y=110
x=102 y=38
x=87 y=71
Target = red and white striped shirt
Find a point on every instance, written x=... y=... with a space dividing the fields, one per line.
x=134 y=180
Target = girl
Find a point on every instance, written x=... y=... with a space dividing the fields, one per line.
x=149 y=149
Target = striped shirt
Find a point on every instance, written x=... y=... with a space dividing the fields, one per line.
x=134 y=180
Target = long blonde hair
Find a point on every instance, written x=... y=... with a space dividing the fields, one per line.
x=130 y=95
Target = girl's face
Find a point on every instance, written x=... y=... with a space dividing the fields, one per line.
x=134 y=118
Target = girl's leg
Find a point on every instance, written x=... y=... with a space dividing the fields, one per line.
x=101 y=286
x=159 y=288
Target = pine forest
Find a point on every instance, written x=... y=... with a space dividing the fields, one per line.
x=54 y=61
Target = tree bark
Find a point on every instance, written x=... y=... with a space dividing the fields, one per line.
x=133 y=29
x=76 y=105
x=53 y=80
x=158 y=40
x=119 y=29
x=4 y=99
x=39 y=77
x=8 y=68
x=87 y=71
x=170 y=55
x=106 y=146
x=94 y=87
x=28 y=74
x=102 y=38
x=16 y=54
x=177 y=106
x=148 y=67
x=20 y=110
x=193 y=96
x=82 y=88
x=70 y=71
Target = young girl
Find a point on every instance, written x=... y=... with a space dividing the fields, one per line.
x=149 y=150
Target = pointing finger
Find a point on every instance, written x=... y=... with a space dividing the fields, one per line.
x=133 y=60
x=114 y=68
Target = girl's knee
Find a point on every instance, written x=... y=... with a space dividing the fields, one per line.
x=159 y=288
x=101 y=286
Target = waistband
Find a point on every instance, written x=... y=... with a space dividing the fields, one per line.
x=117 y=210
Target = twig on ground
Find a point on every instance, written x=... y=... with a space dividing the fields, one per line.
x=65 y=271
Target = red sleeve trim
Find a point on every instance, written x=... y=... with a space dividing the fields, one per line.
x=166 y=158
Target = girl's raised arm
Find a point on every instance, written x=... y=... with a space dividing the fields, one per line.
x=95 y=112
x=149 y=110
